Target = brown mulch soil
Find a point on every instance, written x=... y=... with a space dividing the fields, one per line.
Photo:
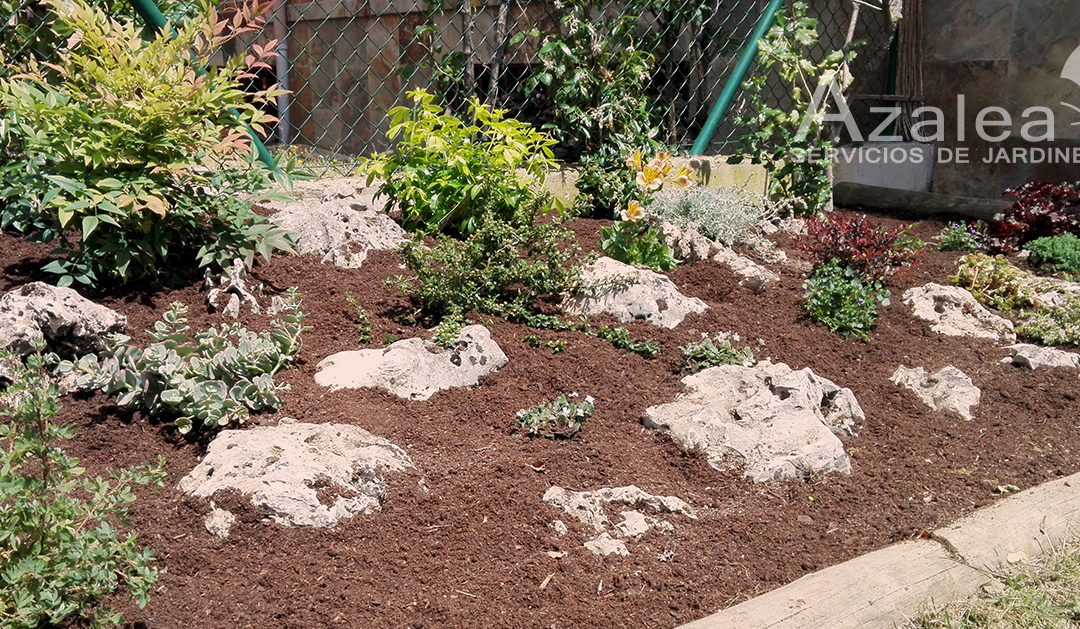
x=463 y=540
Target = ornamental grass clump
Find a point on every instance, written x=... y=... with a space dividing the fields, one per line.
x=129 y=158
x=62 y=547
x=560 y=418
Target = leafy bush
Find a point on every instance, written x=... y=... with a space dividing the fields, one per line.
x=715 y=351
x=1055 y=253
x=558 y=419
x=774 y=138
x=128 y=145
x=206 y=381
x=446 y=173
x=635 y=241
x=996 y=283
x=62 y=551
x=502 y=268
x=593 y=78
x=1052 y=325
x=1041 y=209
x=876 y=252
x=959 y=237
x=730 y=216
x=838 y=297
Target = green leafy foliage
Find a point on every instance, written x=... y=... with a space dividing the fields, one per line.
x=637 y=242
x=715 y=351
x=128 y=145
x=959 y=237
x=620 y=338
x=555 y=345
x=361 y=319
x=503 y=268
x=592 y=77
x=1052 y=325
x=876 y=251
x=996 y=283
x=1055 y=253
x=558 y=419
x=839 y=298
x=449 y=328
x=204 y=381
x=445 y=174
x=774 y=139
x=63 y=553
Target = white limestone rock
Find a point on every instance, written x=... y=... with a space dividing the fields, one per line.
x=954 y=311
x=65 y=320
x=630 y=294
x=776 y=422
x=1035 y=356
x=415 y=369
x=949 y=389
x=283 y=467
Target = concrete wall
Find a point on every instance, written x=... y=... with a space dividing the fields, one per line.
x=1006 y=53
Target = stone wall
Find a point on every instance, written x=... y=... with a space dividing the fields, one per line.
x=1009 y=54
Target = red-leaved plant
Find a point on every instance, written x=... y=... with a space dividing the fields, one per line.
x=875 y=251
x=1041 y=209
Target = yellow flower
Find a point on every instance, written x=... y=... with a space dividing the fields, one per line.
x=633 y=212
x=650 y=178
x=682 y=178
x=634 y=161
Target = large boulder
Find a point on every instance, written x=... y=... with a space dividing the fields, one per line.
x=948 y=389
x=954 y=311
x=1035 y=356
x=617 y=513
x=66 y=321
x=415 y=369
x=630 y=294
x=774 y=421
x=337 y=220
x=284 y=469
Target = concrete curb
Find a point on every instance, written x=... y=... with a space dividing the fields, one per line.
x=886 y=587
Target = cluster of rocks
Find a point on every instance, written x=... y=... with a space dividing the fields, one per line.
x=637 y=510
x=60 y=317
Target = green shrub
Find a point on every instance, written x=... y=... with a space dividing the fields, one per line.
x=1052 y=325
x=996 y=283
x=63 y=554
x=445 y=173
x=959 y=237
x=203 y=382
x=715 y=351
x=502 y=268
x=558 y=419
x=839 y=298
x=593 y=78
x=637 y=242
x=125 y=143
x=730 y=216
x=1055 y=253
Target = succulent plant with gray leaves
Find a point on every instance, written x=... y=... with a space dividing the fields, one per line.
x=204 y=381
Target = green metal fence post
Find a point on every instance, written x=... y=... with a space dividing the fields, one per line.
x=732 y=86
x=154 y=18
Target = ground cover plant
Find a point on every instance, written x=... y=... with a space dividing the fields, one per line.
x=959 y=237
x=60 y=538
x=151 y=185
x=730 y=216
x=841 y=299
x=714 y=351
x=1055 y=253
x=561 y=418
x=203 y=381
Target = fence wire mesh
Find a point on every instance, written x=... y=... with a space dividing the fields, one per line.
x=348 y=62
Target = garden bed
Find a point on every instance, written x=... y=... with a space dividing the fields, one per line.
x=464 y=539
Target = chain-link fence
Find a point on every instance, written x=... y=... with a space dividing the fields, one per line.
x=348 y=62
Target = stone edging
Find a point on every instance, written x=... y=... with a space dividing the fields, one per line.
x=886 y=587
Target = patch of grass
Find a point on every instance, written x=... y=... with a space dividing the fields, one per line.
x=1043 y=593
